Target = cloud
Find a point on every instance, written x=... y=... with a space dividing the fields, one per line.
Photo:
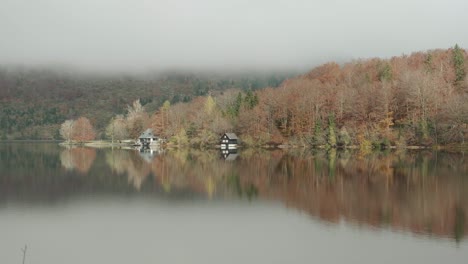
x=214 y=34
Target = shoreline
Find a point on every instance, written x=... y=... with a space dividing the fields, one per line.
x=129 y=143
x=462 y=147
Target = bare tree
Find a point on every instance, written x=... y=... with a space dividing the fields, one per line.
x=137 y=119
x=24 y=252
x=117 y=128
x=66 y=129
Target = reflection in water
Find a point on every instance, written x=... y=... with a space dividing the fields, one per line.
x=421 y=192
x=80 y=159
x=229 y=154
x=130 y=163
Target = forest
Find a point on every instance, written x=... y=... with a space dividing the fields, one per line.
x=410 y=100
x=34 y=101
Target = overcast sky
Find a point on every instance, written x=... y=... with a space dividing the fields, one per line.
x=141 y=35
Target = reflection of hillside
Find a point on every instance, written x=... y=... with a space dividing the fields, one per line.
x=421 y=192
x=200 y=171
x=418 y=192
x=80 y=159
x=130 y=163
x=406 y=192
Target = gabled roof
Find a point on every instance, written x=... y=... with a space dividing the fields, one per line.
x=231 y=135
x=147 y=134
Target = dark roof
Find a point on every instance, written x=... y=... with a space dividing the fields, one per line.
x=147 y=134
x=231 y=135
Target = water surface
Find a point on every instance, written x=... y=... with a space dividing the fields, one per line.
x=84 y=205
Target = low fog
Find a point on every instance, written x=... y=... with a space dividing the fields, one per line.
x=140 y=35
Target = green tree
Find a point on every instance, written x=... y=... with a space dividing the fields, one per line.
x=428 y=62
x=234 y=109
x=210 y=105
x=251 y=99
x=318 y=138
x=458 y=63
x=385 y=73
x=331 y=140
x=344 y=138
x=181 y=138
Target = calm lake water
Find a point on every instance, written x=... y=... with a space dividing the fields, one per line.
x=84 y=205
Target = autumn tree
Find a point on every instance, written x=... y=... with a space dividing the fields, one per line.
x=82 y=130
x=210 y=122
x=210 y=105
x=410 y=98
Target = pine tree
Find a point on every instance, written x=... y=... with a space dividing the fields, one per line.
x=331 y=132
x=318 y=138
x=458 y=63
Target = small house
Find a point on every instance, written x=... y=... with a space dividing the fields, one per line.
x=147 y=138
x=229 y=141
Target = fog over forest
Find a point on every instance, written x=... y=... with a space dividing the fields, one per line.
x=142 y=35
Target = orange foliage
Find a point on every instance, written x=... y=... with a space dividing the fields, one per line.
x=83 y=130
x=417 y=90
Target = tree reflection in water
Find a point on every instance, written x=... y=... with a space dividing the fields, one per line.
x=421 y=192
x=78 y=158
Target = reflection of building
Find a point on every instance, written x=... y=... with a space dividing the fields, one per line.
x=229 y=141
x=229 y=154
x=147 y=138
x=148 y=153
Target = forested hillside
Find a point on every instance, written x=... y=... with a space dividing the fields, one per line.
x=35 y=101
x=417 y=99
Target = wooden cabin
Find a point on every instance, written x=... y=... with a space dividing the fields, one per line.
x=147 y=138
x=229 y=141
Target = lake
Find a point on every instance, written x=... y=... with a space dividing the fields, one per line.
x=84 y=205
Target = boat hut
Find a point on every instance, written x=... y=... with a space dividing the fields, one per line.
x=147 y=138
x=229 y=141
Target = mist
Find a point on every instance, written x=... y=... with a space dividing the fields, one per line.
x=142 y=35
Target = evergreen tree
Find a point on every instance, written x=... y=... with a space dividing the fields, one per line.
x=318 y=138
x=331 y=140
x=458 y=63
x=251 y=100
x=386 y=73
